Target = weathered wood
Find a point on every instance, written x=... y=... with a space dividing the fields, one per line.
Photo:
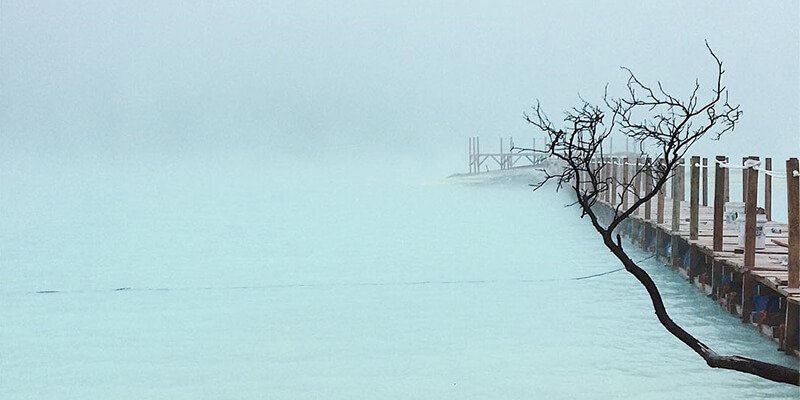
x=751 y=203
x=719 y=203
x=648 y=184
x=694 y=199
x=660 y=206
x=793 y=202
x=792 y=326
x=637 y=183
x=607 y=178
x=471 y=156
x=625 y=183
x=768 y=188
x=751 y=177
x=613 y=182
x=677 y=185
x=682 y=183
x=705 y=181
x=745 y=176
x=727 y=182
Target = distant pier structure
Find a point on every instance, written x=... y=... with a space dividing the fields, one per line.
x=516 y=155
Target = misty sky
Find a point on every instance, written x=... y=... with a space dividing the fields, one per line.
x=327 y=77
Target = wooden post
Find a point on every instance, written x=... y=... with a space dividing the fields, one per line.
x=727 y=182
x=750 y=176
x=705 y=182
x=625 y=184
x=660 y=206
x=606 y=176
x=502 y=160
x=793 y=202
x=745 y=176
x=751 y=195
x=719 y=203
x=682 y=173
x=472 y=155
x=791 y=330
x=477 y=154
x=613 y=182
x=768 y=188
x=694 y=198
x=637 y=183
x=677 y=183
x=648 y=184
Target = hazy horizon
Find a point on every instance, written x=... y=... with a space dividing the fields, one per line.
x=356 y=81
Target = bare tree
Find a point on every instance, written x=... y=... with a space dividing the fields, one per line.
x=664 y=127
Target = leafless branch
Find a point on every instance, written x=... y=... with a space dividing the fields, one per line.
x=664 y=127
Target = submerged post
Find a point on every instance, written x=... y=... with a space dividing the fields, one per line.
x=719 y=202
x=694 y=198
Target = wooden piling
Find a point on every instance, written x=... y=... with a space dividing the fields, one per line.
x=792 y=321
x=637 y=183
x=793 y=202
x=660 y=206
x=750 y=176
x=745 y=175
x=705 y=181
x=677 y=184
x=625 y=184
x=694 y=199
x=719 y=203
x=648 y=184
x=682 y=183
x=471 y=155
x=613 y=182
x=751 y=204
x=768 y=188
x=727 y=182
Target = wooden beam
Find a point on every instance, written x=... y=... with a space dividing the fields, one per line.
x=719 y=203
x=694 y=199
x=793 y=203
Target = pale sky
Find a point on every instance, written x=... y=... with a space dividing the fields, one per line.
x=328 y=77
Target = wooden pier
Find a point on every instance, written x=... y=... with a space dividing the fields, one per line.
x=514 y=157
x=760 y=285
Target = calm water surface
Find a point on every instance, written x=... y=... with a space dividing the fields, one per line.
x=223 y=280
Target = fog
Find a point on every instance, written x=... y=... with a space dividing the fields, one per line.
x=367 y=82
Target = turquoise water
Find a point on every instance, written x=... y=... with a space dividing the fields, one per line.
x=246 y=279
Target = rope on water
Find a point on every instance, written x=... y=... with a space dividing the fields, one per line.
x=342 y=284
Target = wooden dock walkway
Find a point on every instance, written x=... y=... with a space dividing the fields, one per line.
x=761 y=285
